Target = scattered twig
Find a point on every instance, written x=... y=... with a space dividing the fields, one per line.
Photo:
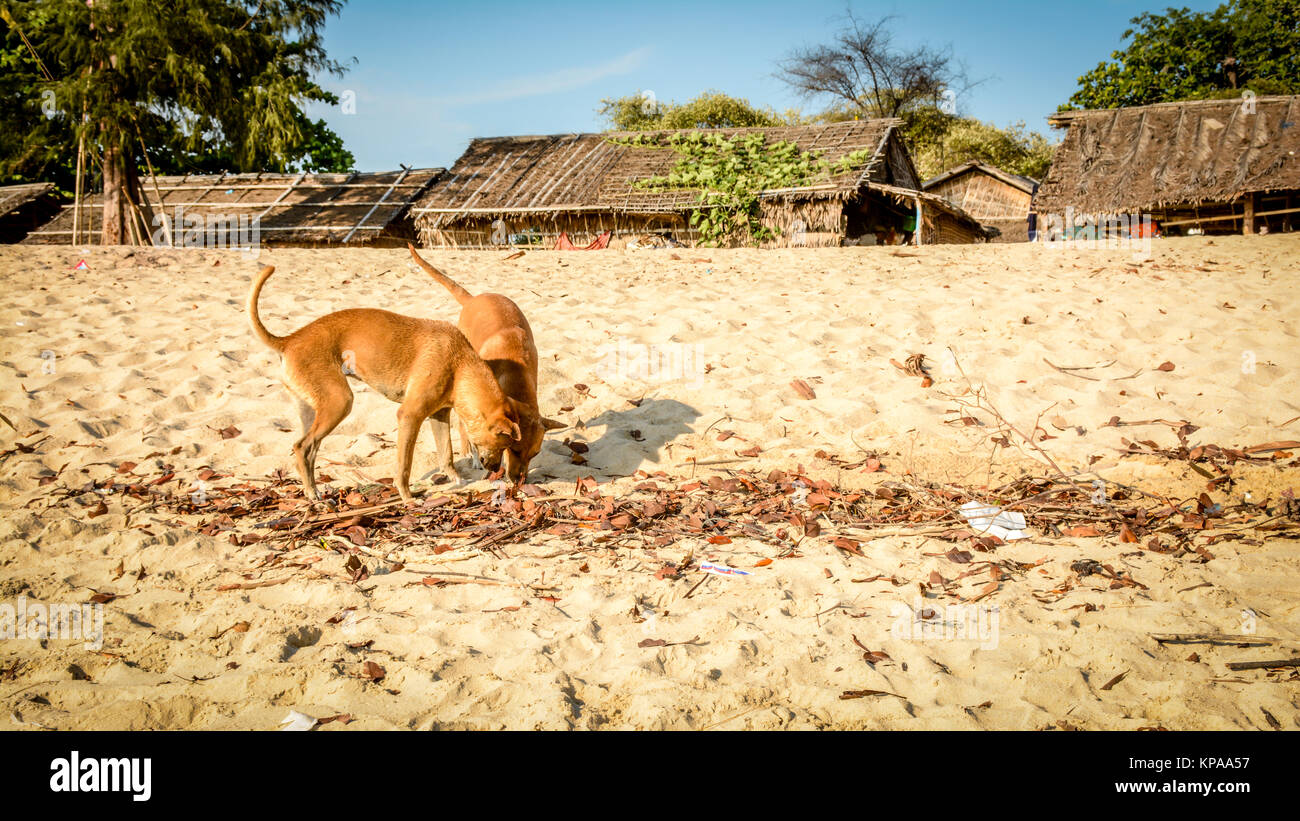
x=1261 y=665
x=1212 y=638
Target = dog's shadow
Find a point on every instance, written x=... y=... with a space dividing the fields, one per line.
x=624 y=442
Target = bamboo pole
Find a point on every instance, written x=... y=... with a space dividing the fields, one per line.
x=153 y=178
x=76 y=202
x=1226 y=217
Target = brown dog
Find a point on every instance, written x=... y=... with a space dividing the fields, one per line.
x=497 y=329
x=425 y=366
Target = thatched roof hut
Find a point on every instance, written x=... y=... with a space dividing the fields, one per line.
x=289 y=209
x=531 y=189
x=996 y=198
x=1214 y=165
x=24 y=207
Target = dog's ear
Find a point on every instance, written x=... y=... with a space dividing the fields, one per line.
x=506 y=426
x=551 y=424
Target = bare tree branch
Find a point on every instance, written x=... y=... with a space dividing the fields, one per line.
x=865 y=71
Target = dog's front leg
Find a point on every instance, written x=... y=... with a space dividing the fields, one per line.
x=440 y=425
x=409 y=418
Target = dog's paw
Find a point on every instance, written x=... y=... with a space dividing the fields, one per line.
x=457 y=483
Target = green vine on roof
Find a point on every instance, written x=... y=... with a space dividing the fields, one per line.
x=730 y=172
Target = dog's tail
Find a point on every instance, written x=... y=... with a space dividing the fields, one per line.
x=462 y=296
x=271 y=340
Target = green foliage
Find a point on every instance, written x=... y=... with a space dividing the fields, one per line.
x=635 y=112
x=712 y=109
x=319 y=151
x=942 y=141
x=1181 y=55
x=207 y=85
x=730 y=172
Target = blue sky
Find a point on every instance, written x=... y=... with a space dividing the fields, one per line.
x=428 y=76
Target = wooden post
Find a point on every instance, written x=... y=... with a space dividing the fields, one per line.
x=1248 y=218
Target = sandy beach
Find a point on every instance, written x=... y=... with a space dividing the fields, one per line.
x=671 y=366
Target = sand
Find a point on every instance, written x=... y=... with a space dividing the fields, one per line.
x=146 y=356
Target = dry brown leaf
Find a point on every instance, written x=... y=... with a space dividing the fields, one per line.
x=1116 y=680
x=1082 y=531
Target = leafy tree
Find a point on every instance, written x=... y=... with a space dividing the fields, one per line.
x=635 y=112
x=712 y=109
x=204 y=84
x=1181 y=55
x=939 y=140
x=1012 y=149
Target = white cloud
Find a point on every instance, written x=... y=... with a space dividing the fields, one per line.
x=565 y=79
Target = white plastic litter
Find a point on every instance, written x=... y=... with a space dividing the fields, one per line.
x=296 y=721
x=721 y=569
x=991 y=520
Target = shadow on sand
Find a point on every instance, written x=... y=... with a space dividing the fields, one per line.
x=624 y=442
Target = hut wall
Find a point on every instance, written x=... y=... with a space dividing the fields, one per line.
x=542 y=229
x=984 y=197
x=804 y=223
x=944 y=229
x=1009 y=230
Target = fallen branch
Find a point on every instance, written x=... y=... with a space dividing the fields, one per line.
x=1066 y=371
x=1212 y=638
x=251 y=585
x=514 y=531
x=1259 y=665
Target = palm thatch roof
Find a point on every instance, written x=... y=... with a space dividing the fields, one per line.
x=13 y=196
x=24 y=207
x=1026 y=184
x=576 y=173
x=1171 y=154
x=347 y=209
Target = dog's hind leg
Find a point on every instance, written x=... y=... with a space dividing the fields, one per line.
x=328 y=403
x=307 y=414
